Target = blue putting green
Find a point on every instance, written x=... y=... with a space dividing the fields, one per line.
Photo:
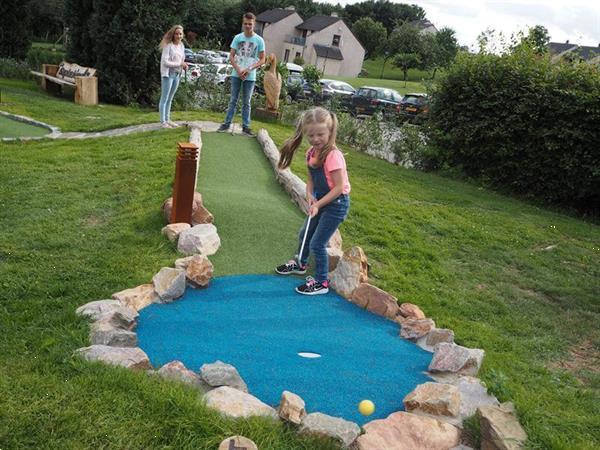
x=259 y=324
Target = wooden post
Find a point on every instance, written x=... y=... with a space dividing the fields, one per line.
x=185 y=182
x=86 y=90
x=50 y=69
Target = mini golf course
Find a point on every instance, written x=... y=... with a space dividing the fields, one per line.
x=257 y=323
x=10 y=128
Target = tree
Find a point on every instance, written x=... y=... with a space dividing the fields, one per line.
x=77 y=19
x=383 y=11
x=405 y=39
x=407 y=61
x=537 y=38
x=439 y=50
x=372 y=35
x=46 y=18
x=14 y=30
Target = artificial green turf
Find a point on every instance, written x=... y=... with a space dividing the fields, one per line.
x=256 y=220
x=13 y=128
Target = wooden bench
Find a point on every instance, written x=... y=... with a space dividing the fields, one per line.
x=83 y=79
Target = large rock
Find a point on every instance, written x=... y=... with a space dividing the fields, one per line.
x=333 y=257
x=199 y=213
x=434 y=337
x=437 y=399
x=176 y=370
x=291 y=408
x=375 y=300
x=351 y=270
x=413 y=329
x=405 y=431
x=172 y=230
x=237 y=443
x=96 y=309
x=121 y=317
x=456 y=359
x=221 y=374
x=169 y=283
x=129 y=357
x=500 y=429
x=411 y=311
x=235 y=403
x=199 y=270
x=202 y=239
x=324 y=425
x=335 y=242
x=138 y=297
x=103 y=332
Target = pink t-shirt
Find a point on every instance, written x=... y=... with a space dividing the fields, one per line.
x=334 y=161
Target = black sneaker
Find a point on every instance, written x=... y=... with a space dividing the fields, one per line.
x=246 y=131
x=290 y=267
x=224 y=128
x=313 y=287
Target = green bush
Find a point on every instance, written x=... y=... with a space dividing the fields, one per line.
x=37 y=56
x=12 y=68
x=299 y=60
x=412 y=149
x=524 y=123
x=15 y=39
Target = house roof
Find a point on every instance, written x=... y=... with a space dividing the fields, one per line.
x=317 y=23
x=585 y=52
x=274 y=15
x=330 y=52
x=422 y=24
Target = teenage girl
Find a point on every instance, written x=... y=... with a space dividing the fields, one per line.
x=171 y=65
x=327 y=190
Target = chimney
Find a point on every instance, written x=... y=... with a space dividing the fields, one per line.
x=567 y=41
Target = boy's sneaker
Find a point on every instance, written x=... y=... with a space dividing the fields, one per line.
x=290 y=267
x=224 y=128
x=313 y=287
x=246 y=131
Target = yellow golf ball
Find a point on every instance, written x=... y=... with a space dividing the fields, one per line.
x=366 y=407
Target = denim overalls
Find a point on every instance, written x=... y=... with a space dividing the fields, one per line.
x=323 y=225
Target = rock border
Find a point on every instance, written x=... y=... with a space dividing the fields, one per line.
x=442 y=404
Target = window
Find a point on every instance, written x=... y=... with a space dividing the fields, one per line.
x=336 y=40
x=298 y=55
x=286 y=57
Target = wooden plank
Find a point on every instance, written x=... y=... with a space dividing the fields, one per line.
x=53 y=79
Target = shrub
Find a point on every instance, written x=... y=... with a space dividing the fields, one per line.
x=413 y=150
x=37 y=56
x=524 y=123
x=299 y=60
x=12 y=68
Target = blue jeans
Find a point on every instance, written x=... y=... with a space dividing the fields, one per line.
x=247 y=88
x=321 y=228
x=168 y=86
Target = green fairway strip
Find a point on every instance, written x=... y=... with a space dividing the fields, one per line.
x=256 y=220
x=10 y=128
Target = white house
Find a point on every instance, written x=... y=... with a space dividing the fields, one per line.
x=324 y=41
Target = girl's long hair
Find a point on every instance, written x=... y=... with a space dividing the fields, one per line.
x=312 y=116
x=168 y=37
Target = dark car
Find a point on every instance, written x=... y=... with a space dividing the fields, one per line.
x=414 y=105
x=370 y=100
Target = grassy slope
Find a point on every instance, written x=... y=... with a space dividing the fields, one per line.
x=475 y=261
x=81 y=221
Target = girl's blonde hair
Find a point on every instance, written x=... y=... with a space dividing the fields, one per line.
x=312 y=116
x=168 y=37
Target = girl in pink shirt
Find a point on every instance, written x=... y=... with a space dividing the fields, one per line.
x=327 y=190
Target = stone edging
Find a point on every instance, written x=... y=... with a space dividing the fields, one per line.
x=433 y=406
x=54 y=131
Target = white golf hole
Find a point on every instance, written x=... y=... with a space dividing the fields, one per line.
x=309 y=355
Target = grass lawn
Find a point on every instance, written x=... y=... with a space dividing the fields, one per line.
x=400 y=86
x=13 y=128
x=80 y=220
x=391 y=72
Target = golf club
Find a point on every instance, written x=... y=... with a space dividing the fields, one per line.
x=304 y=240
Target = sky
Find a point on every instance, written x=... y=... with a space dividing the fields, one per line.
x=575 y=20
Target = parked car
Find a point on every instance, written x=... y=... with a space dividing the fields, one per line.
x=413 y=105
x=189 y=55
x=295 y=86
x=369 y=100
x=216 y=72
x=329 y=89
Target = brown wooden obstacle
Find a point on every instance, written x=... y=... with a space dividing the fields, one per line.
x=83 y=79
